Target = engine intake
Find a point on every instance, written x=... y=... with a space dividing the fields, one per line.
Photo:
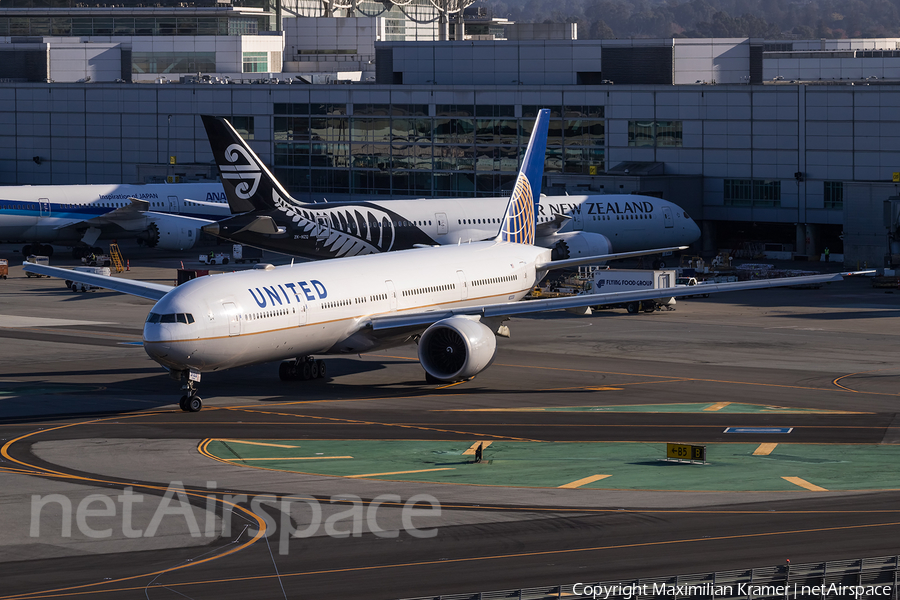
x=456 y=348
x=172 y=232
x=575 y=244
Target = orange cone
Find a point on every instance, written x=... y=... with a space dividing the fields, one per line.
x=127 y=264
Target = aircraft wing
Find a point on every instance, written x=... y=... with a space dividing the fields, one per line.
x=133 y=217
x=384 y=323
x=143 y=289
x=568 y=263
x=551 y=227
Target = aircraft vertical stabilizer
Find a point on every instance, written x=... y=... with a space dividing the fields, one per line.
x=519 y=222
x=248 y=183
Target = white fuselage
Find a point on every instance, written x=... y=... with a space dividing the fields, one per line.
x=630 y=222
x=42 y=213
x=250 y=317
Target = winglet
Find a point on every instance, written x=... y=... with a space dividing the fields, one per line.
x=519 y=222
x=248 y=183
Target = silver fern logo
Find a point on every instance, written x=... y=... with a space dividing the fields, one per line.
x=248 y=174
x=342 y=230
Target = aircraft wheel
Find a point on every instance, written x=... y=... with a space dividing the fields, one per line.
x=305 y=371
x=182 y=404
x=632 y=307
x=313 y=369
x=322 y=369
x=47 y=250
x=194 y=404
x=649 y=308
x=284 y=371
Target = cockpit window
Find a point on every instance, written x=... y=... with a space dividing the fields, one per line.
x=185 y=318
x=686 y=215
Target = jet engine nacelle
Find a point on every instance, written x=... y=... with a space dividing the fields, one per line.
x=456 y=348
x=172 y=232
x=575 y=244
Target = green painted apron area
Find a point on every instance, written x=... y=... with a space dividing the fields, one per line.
x=630 y=466
x=731 y=408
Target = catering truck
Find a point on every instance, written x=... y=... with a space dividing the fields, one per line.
x=605 y=281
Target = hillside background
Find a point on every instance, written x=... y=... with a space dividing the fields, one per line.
x=608 y=19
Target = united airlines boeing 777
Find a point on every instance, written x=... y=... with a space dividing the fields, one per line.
x=451 y=300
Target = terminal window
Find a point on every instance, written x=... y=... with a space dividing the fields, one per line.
x=752 y=192
x=256 y=62
x=663 y=134
x=834 y=194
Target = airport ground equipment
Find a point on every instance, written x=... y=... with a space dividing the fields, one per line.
x=84 y=287
x=217 y=258
x=604 y=281
x=116 y=255
x=37 y=260
x=247 y=254
x=4 y=268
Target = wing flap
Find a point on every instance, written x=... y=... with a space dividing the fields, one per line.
x=142 y=289
x=510 y=309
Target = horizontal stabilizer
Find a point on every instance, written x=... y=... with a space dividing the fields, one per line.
x=133 y=287
x=551 y=227
x=263 y=225
x=587 y=260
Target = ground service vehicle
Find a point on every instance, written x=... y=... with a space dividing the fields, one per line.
x=219 y=258
x=4 y=268
x=605 y=281
x=244 y=254
x=37 y=260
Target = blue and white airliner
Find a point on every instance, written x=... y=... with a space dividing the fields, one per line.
x=165 y=215
x=450 y=300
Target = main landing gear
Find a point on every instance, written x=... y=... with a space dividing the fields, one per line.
x=305 y=367
x=190 y=402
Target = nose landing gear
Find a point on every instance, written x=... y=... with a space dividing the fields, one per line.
x=190 y=402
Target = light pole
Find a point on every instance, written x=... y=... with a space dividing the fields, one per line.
x=168 y=141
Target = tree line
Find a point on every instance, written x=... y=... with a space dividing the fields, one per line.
x=772 y=19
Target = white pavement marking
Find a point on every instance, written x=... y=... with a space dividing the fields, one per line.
x=13 y=321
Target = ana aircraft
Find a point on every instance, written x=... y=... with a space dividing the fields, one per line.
x=164 y=215
x=269 y=218
x=451 y=300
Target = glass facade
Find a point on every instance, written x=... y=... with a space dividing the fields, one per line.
x=752 y=192
x=662 y=134
x=256 y=62
x=173 y=62
x=401 y=149
x=133 y=26
x=834 y=194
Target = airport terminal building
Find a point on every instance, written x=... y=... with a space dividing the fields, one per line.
x=791 y=144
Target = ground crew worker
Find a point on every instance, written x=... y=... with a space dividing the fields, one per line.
x=827 y=253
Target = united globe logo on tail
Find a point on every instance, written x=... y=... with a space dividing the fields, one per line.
x=519 y=225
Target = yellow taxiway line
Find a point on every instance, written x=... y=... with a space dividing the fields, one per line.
x=473 y=447
x=399 y=472
x=585 y=481
x=764 y=449
x=717 y=406
x=805 y=484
